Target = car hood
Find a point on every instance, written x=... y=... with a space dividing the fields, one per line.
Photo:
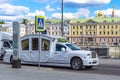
x=81 y=52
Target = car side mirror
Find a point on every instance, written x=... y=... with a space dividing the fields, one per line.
x=63 y=49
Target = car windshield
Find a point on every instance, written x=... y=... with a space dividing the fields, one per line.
x=73 y=47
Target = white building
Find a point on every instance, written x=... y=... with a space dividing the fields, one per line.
x=9 y=28
x=53 y=29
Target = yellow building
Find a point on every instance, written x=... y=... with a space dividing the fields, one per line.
x=95 y=30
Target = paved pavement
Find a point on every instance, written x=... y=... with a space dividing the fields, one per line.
x=45 y=73
x=109 y=61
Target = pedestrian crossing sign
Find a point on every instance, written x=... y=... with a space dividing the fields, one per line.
x=40 y=23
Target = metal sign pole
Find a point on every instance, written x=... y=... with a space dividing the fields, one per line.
x=39 y=27
x=39 y=50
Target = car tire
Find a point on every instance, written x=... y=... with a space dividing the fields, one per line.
x=76 y=64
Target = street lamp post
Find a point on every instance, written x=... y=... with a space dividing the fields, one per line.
x=62 y=18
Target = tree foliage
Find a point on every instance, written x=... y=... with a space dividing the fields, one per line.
x=2 y=22
x=24 y=21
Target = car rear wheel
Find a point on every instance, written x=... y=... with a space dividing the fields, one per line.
x=76 y=64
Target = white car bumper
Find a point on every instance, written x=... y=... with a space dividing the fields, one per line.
x=90 y=62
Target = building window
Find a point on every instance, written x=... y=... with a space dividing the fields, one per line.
x=80 y=27
x=116 y=26
x=77 y=27
x=73 y=27
x=86 y=27
x=77 y=33
x=86 y=32
x=116 y=32
x=104 y=27
x=90 y=33
x=100 y=26
x=104 y=32
x=80 y=32
x=52 y=33
x=108 y=32
x=100 y=39
x=100 y=32
x=112 y=32
x=108 y=26
x=112 y=26
x=73 y=33
x=112 y=40
x=90 y=27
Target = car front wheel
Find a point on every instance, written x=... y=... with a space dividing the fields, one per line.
x=76 y=64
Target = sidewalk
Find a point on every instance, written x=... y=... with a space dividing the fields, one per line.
x=33 y=73
x=109 y=61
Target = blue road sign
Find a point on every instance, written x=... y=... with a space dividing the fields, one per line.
x=40 y=23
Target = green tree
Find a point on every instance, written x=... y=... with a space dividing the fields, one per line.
x=24 y=21
x=2 y=22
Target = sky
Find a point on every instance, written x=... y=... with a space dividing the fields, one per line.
x=16 y=10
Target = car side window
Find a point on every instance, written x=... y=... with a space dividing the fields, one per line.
x=45 y=45
x=25 y=44
x=59 y=47
x=6 y=45
x=35 y=44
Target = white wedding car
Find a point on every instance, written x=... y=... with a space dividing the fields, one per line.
x=54 y=50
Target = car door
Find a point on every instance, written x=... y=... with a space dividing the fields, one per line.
x=34 y=51
x=45 y=44
x=25 y=50
x=60 y=56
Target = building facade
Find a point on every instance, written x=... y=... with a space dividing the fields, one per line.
x=93 y=32
x=8 y=28
x=53 y=29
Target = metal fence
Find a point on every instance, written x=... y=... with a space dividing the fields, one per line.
x=105 y=51
x=114 y=51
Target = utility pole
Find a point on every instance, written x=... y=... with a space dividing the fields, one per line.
x=62 y=18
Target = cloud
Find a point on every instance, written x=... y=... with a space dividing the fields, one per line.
x=88 y=1
x=58 y=8
x=82 y=12
x=65 y=15
x=48 y=8
x=12 y=18
x=10 y=12
x=37 y=12
x=85 y=3
x=8 y=9
x=4 y=1
x=108 y=12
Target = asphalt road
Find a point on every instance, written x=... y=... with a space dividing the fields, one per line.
x=102 y=69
